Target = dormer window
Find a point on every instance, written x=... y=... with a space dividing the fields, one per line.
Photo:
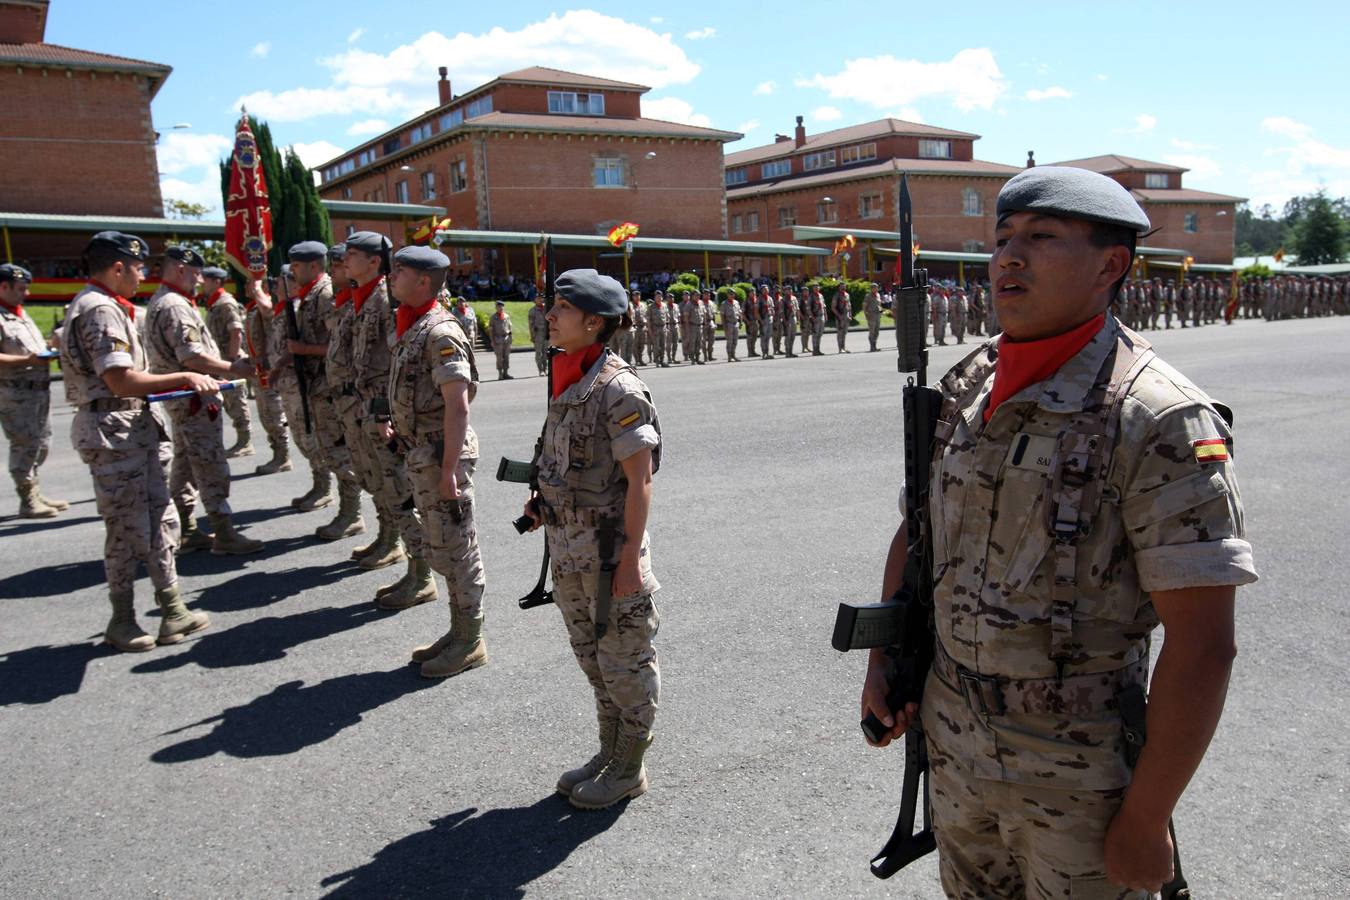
x=931 y=149
x=1156 y=180
x=573 y=104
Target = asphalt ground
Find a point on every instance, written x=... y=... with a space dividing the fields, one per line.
x=290 y=749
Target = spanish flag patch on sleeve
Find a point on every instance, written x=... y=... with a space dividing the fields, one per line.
x=1211 y=450
x=630 y=419
x=450 y=351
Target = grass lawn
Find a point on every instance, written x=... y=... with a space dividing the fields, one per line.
x=518 y=310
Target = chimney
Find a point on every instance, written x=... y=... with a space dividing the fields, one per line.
x=444 y=86
x=801 y=132
x=1031 y=159
x=23 y=22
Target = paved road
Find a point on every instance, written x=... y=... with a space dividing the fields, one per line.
x=289 y=749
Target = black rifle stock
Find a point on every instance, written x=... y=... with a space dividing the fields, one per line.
x=301 y=379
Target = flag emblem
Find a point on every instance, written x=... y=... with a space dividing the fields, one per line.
x=1211 y=450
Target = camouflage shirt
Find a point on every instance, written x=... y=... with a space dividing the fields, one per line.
x=432 y=352
x=19 y=335
x=224 y=316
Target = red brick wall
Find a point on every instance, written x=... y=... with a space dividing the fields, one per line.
x=1135 y=180
x=893 y=147
x=522 y=98
x=77 y=143
x=1212 y=242
x=22 y=24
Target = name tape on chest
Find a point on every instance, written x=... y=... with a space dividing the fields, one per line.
x=1211 y=450
x=1034 y=452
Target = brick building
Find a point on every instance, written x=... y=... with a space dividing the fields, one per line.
x=78 y=138
x=849 y=178
x=1198 y=222
x=539 y=149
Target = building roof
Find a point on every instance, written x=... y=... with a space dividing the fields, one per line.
x=1182 y=195
x=846 y=135
x=545 y=75
x=1114 y=162
x=24 y=222
x=589 y=124
x=68 y=57
x=974 y=168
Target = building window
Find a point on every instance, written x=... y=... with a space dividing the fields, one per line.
x=869 y=206
x=608 y=171
x=392 y=145
x=822 y=160
x=351 y=230
x=857 y=153
x=972 y=246
x=787 y=216
x=375 y=196
x=736 y=176
x=573 y=104
x=451 y=119
x=752 y=221
x=1191 y=223
x=481 y=106
x=776 y=169
x=972 y=204
x=463 y=256
x=1157 y=180
x=736 y=225
x=420 y=133
x=826 y=212
x=346 y=193
x=459 y=176
x=931 y=149
x=367 y=157
x=400 y=192
x=428 y=185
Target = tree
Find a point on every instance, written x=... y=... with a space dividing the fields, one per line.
x=1259 y=232
x=212 y=251
x=1320 y=233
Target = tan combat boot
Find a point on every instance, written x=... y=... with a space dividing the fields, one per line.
x=398 y=586
x=623 y=776
x=348 y=521
x=609 y=732
x=227 y=541
x=386 y=551
x=243 y=444
x=431 y=651
x=380 y=534
x=30 y=502
x=420 y=587
x=466 y=649
x=122 y=632
x=177 y=622
x=280 y=461
x=192 y=538
x=58 y=505
x=319 y=495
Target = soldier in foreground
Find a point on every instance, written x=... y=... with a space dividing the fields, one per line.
x=1082 y=492
x=225 y=322
x=600 y=448
x=123 y=440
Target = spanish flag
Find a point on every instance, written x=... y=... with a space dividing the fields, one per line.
x=1211 y=450
x=620 y=234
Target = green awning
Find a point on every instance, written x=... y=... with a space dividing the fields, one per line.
x=355 y=209
x=470 y=238
x=139 y=225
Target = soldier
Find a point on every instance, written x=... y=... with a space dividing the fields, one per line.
x=225 y=321
x=776 y=297
x=467 y=318
x=656 y=329
x=709 y=325
x=638 y=311
x=956 y=309
x=1187 y=302
x=258 y=314
x=122 y=439
x=764 y=308
x=872 y=314
x=672 y=330
x=1169 y=302
x=25 y=394
x=1071 y=518
x=599 y=450
x=751 y=312
x=340 y=375
x=937 y=305
x=731 y=323
x=432 y=381
x=977 y=309
x=499 y=330
x=539 y=334
x=176 y=339
x=1157 y=301
x=995 y=327
x=691 y=332
x=842 y=310
x=790 y=312
x=817 y=307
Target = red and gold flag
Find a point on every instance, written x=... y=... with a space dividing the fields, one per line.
x=424 y=232
x=620 y=234
x=248 y=215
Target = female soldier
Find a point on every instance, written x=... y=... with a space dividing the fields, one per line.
x=600 y=447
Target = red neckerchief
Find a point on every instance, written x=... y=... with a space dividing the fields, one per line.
x=17 y=310
x=1024 y=363
x=304 y=291
x=569 y=367
x=180 y=291
x=341 y=297
x=501 y=314
x=123 y=302
x=361 y=293
x=215 y=295
x=407 y=315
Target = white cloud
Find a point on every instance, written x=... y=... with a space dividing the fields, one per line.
x=299 y=104
x=971 y=79
x=748 y=126
x=1201 y=167
x=1050 y=93
x=764 y=88
x=179 y=151
x=1190 y=145
x=673 y=109
x=355 y=35
x=262 y=48
x=316 y=153
x=1309 y=165
x=826 y=114
x=1306 y=153
x=368 y=126
x=1145 y=122
x=701 y=34
x=908 y=114
x=205 y=189
x=656 y=20
x=1100 y=77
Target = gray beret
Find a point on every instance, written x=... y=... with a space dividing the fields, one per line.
x=185 y=255
x=1073 y=193
x=369 y=242
x=591 y=292
x=307 y=251
x=337 y=252
x=423 y=259
x=10 y=272
x=125 y=244
x=215 y=272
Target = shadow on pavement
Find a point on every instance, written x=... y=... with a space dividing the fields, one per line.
x=203 y=562
x=50 y=581
x=266 y=639
x=495 y=854
x=293 y=716
x=41 y=674
x=15 y=525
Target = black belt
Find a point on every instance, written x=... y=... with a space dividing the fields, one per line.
x=26 y=385
x=114 y=404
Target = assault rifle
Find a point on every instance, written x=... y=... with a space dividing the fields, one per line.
x=904 y=623
x=528 y=472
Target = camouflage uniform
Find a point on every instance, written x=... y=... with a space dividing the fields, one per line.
x=539 y=335
x=25 y=397
x=339 y=367
x=765 y=311
x=872 y=313
x=790 y=312
x=709 y=326
x=656 y=331
x=672 y=330
x=731 y=324
x=937 y=306
x=324 y=446
x=1037 y=635
x=122 y=440
x=224 y=316
x=842 y=310
x=271 y=411
x=816 y=305
x=691 y=320
x=499 y=329
x=956 y=309
x=468 y=320
x=638 y=310
x=591 y=428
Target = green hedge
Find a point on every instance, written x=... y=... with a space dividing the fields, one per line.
x=857 y=291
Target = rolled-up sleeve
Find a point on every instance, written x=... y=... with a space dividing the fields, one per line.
x=448 y=354
x=105 y=340
x=630 y=420
x=184 y=331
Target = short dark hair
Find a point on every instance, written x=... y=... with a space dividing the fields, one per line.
x=1104 y=235
x=613 y=324
x=99 y=258
x=438 y=277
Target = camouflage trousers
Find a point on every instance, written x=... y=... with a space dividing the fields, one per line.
x=381 y=472
x=449 y=534
x=777 y=336
x=639 y=344
x=732 y=333
x=709 y=340
x=959 y=329
x=940 y=329
x=817 y=335
x=141 y=524
x=236 y=407
x=541 y=352
x=672 y=342
x=271 y=412
x=325 y=446
x=751 y=336
x=25 y=416
x=199 y=467
x=621 y=667
x=305 y=441
x=766 y=333
x=841 y=334
x=658 y=345
x=873 y=332
x=1004 y=839
x=502 y=349
x=790 y=336
x=693 y=343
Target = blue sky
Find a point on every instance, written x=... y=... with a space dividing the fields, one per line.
x=1249 y=96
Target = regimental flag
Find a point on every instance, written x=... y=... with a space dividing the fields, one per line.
x=1234 y=293
x=847 y=242
x=248 y=214
x=1279 y=255
x=1210 y=450
x=621 y=234
x=423 y=233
